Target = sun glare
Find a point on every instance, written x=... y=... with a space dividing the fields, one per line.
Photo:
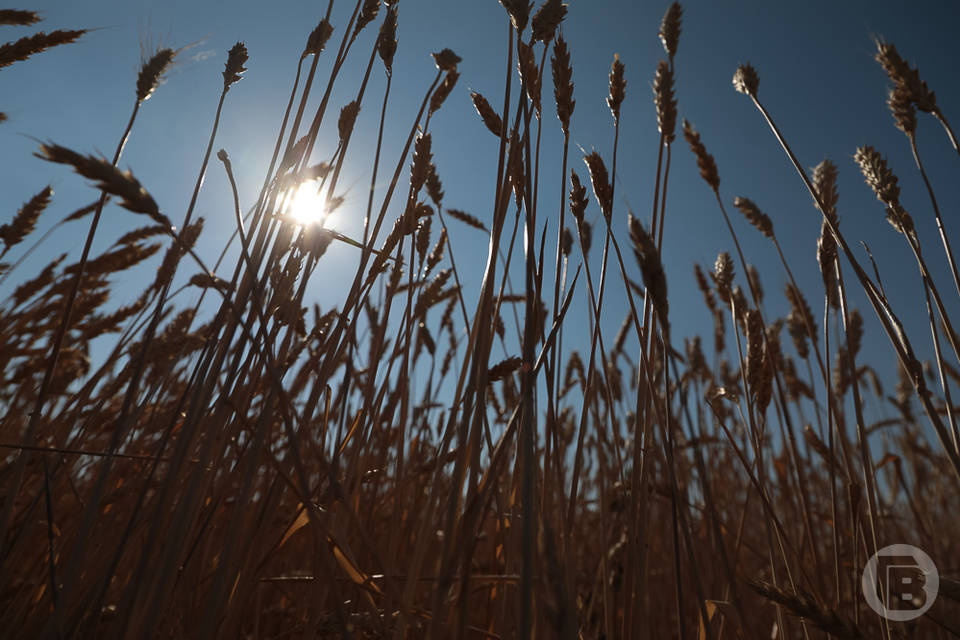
x=308 y=206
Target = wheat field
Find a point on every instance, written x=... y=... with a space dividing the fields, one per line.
x=497 y=417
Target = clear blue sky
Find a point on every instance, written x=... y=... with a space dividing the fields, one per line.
x=817 y=76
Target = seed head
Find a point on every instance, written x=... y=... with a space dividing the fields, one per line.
x=665 y=101
x=746 y=80
x=519 y=12
x=234 y=68
x=546 y=20
x=602 y=188
x=446 y=60
x=723 y=276
x=825 y=184
x=562 y=83
x=670 y=29
x=151 y=73
x=387 y=41
x=754 y=216
x=317 y=41
x=578 y=198
x=705 y=161
x=618 y=86
x=487 y=113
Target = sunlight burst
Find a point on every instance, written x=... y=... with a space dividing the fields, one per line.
x=308 y=206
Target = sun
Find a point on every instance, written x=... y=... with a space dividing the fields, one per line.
x=308 y=206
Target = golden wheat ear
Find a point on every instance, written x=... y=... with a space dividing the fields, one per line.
x=30 y=45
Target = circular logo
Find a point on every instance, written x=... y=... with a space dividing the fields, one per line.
x=900 y=582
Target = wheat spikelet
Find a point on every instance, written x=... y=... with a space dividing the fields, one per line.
x=348 y=116
x=33 y=286
x=503 y=369
x=754 y=216
x=119 y=259
x=423 y=238
x=431 y=293
x=188 y=237
x=519 y=12
x=18 y=18
x=3 y=117
x=434 y=186
x=436 y=255
x=755 y=336
x=368 y=14
x=902 y=109
x=529 y=75
x=705 y=161
x=447 y=60
x=151 y=72
x=108 y=178
x=884 y=184
x=618 y=86
x=746 y=80
x=665 y=101
x=799 y=319
x=467 y=219
x=487 y=113
x=25 y=220
x=25 y=47
x=723 y=276
x=906 y=78
x=562 y=83
x=142 y=233
x=546 y=20
x=387 y=40
x=422 y=157
x=440 y=95
x=318 y=38
x=704 y=287
x=669 y=32
x=753 y=278
x=578 y=198
x=648 y=257
x=602 y=188
x=233 y=70
x=825 y=184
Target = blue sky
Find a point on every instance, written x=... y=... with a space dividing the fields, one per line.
x=817 y=76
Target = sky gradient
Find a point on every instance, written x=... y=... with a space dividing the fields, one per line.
x=817 y=77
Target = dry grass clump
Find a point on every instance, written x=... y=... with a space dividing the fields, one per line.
x=420 y=459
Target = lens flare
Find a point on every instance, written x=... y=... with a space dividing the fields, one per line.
x=308 y=206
